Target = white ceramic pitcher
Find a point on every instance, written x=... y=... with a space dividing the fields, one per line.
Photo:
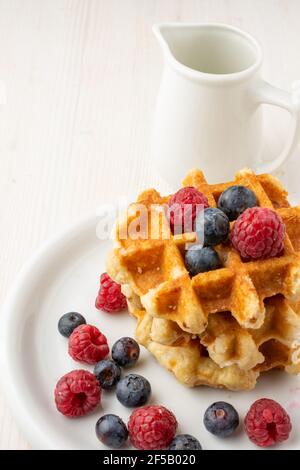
x=209 y=112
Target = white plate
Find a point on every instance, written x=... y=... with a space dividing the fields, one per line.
x=64 y=276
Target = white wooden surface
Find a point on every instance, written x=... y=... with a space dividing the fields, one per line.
x=81 y=78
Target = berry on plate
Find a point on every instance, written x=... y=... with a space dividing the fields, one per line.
x=125 y=351
x=108 y=373
x=199 y=260
x=183 y=208
x=111 y=431
x=258 y=233
x=221 y=419
x=68 y=322
x=185 y=442
x=235 y=200
x=152 y=427
x=267 y=423
x=133 y=390
x=77 y=393
x=87 y=344
x=212 y=227
x=110 y=298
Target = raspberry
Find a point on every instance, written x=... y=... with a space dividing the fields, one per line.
x=110 y=297
x=258 y=233
x=87 y=344
x=152 y=427
x=77 y=393
x=183 y=208
x=267 y=423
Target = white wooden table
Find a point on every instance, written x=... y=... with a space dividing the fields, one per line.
x=81 y=78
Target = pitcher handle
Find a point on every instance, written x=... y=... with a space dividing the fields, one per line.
x=265 y=93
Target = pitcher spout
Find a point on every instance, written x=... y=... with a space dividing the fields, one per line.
x=181 y=45
x=169 y=38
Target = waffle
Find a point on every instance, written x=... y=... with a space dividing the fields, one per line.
x=220 y=328
x=182 y=354
x=279 y=337
x=154 y=267
x=237 y=361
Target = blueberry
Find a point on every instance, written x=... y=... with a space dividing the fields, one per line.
x=125 y=352
x=185 y=442
x=199 y=260
x=213 y=225
x=68 y=322
x=111 y=430
x=235 y=200
x=221 y=419
x=108 y=373
x=133 y=390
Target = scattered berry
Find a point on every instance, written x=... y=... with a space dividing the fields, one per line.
x=183 y=208
x=258 y=233
x=77 y=393
x=185 y=442
x=125 y=352
x=87 y=344
x=110 y=298
x=199 y=260
x=152 y=427
x=68 y=322
x=111 y=430
x=235 y=200
x=108 y=373
x=133 y=390
x=221 y=419
x=212 y=227
x=267 y=423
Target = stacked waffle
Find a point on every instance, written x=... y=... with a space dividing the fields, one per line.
x=220 y=328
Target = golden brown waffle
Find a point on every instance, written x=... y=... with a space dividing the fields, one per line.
x=155 y=271
x=220 y=328
x=182 y=354
x=227 y=343
x=237 y=360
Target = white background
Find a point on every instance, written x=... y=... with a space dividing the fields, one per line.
x=81 y=78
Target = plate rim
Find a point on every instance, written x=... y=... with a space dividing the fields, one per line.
x=22 y=416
